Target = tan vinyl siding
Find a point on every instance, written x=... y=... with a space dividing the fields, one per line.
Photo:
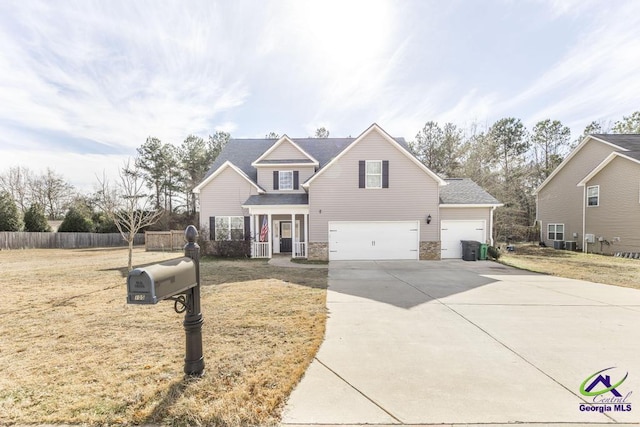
x=286 y=151
x=335 y=196
x=468 y=214
x=265 y=177
x=224 y=195
x=560 y=201
x=618 y=212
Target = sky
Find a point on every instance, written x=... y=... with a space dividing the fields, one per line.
x=84 y=83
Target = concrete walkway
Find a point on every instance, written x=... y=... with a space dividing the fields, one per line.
x=456 y=342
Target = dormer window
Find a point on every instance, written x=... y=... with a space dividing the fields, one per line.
x=285 y=180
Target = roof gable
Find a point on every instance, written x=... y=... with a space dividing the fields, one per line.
x=375 y=128
x=616 y=142
x=285 y=140
x=633 y=156
x=221 y=169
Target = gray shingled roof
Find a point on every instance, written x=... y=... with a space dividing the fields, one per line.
x=280 y=162
x=633 y=154
x=630 y=141
x=243 y=152
x=463 y=191
x=278 y=199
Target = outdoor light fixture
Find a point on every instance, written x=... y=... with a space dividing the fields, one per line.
x=429 y=219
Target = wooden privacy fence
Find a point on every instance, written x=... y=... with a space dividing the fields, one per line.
x=28 y=240
x=164 y=240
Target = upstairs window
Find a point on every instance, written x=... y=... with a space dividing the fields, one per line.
x=593 y=195
x=285 y=181
x=555 y=231
x=374 y=174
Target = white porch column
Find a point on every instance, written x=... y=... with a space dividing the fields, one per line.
x=293 y=235
x=306 y=235
x=270 y=235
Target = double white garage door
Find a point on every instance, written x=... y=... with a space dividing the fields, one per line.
x=373 y=240
x=396 y=240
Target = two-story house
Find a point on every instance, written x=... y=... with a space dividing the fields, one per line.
x=592 y=199
x=340 y=199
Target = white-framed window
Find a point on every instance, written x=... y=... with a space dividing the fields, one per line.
x=593 y=195
x=229 y=228
x=374 y=173
x=285 y=180
x=555 y=231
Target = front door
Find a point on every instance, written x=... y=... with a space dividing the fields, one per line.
x=285 y=236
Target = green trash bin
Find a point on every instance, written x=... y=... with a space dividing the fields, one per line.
x=483 y=251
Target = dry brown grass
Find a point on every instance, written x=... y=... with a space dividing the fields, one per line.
x=576 y=265
x=73 y=351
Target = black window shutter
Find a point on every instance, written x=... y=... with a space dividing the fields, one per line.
x=247 y=228
x=385 y=174
x=361 y=174
x=212 y=228
x=276 y=180
x=296 y=180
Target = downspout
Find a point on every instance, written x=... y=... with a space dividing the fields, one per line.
x=538 y=220
x=584 y=219
x=491 y=225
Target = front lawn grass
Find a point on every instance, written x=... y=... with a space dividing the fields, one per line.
x=73 y=351
x=575 y=265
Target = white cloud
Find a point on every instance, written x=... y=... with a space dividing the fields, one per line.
x=597 y=78
x=117 y=72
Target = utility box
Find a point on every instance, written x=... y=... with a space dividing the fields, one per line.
x=157 y=282
x=470 y=250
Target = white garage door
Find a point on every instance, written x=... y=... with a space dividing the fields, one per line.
x=451 y=232
x=373 y=240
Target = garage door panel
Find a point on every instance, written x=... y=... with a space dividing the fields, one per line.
x=452 y=232
x=373 y=240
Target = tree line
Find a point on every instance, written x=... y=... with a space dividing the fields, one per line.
x=508 y=160
x=505 y=158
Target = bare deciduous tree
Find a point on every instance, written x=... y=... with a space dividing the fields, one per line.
x=127 y=204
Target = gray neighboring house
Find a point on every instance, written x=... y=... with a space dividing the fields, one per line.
x=364 y=198
x=593 y=197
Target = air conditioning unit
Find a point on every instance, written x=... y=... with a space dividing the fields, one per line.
x=590 y=238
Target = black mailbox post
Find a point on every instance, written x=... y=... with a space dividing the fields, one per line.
x=177 y=280
x=193 y=360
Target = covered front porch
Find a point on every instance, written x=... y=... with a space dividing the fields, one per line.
x=279 y=227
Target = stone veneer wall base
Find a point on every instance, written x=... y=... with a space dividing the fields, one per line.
x=318 y=251
x=430 y=251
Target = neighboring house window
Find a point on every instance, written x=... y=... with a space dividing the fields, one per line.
x=229 y=228
x=285 y=181
x=593 y=195
x=555 y=231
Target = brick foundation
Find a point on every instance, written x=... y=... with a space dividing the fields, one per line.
x=318 y=251
x=430 y=250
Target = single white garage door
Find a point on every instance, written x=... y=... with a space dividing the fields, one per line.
x=379 y=240
x=453 y=231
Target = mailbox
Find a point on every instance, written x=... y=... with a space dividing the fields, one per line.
x=161 y=281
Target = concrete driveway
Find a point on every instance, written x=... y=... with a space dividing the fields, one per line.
x=453 y=342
